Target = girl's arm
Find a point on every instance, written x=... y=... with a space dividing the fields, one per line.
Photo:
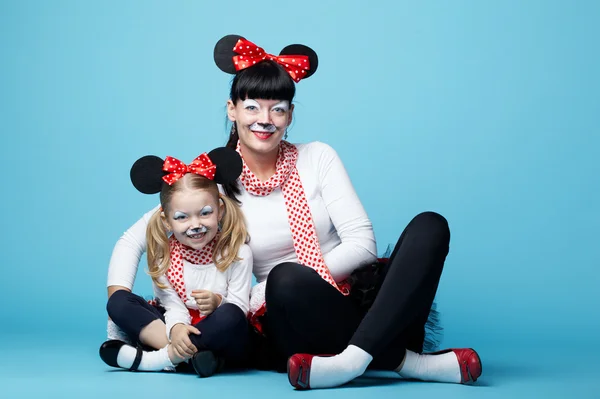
x=175 y=310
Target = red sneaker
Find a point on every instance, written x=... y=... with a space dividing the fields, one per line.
x=298 y=370
x=469 y=362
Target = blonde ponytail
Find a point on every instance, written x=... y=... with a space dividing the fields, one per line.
x=159 y=256
x=233 y=235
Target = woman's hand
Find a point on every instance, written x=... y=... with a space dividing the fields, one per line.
x=207 y=301
x=180 y=340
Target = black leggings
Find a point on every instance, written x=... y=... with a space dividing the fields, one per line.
x=225 y=331
x=305 y=314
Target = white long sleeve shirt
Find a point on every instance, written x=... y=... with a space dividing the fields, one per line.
x=344 y=230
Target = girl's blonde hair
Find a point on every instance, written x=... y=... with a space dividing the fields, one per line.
x=232 y=236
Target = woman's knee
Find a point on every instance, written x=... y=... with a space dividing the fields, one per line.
x=433 y=223
x=286 y=281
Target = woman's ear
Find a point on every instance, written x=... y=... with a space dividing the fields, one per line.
x=231 y=110
x=291 y=111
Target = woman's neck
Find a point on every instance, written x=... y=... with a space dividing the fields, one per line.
x=262 y=165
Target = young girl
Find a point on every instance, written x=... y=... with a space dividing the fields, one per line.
x=200 y=267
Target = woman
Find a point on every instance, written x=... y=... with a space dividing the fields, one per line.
x=310 y=233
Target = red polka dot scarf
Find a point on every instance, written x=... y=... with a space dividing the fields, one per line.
x=304 y=234
x=179 y=252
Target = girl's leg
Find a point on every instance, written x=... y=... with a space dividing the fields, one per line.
x=224 y=332
x=143 y=323
x=223 y=339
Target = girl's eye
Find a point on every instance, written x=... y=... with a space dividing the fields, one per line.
x=251 y=108
x=207 y=210
x=179 y=216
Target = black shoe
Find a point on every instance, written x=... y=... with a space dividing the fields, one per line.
x=205 y=363
x=110 y=350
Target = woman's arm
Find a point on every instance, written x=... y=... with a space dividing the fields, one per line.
x=358 y=247
x=127 y=254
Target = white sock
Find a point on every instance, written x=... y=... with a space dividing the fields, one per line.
x=443 y=367
x=114 y=332
x=328 y=372
x=151 y=361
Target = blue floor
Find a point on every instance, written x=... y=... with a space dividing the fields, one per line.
x=75 y=371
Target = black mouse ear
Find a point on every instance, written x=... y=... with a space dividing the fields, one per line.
x=229 y=164
x=300 y=49
x=146 y=174
x=224 y=53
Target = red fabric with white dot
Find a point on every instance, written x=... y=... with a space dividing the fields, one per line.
x=304 y=234
x=202 y=166
x=250 y=54
x=179 y=252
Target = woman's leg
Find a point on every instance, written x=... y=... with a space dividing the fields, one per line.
x=305 y=313
x=395 y=334
x=410 y=283
x=397 y=318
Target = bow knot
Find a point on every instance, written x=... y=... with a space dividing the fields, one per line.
x=202 y=166
x=250 y=54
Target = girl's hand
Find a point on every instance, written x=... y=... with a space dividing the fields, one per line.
x=207 y=301
x=180 y=340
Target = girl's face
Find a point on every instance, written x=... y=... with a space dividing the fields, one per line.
x=261 y=124
x=193 y=217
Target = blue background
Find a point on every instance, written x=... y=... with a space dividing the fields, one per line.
x=486 y=112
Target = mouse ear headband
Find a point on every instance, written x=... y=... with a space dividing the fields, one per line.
x=222 y=165
x=234 y=53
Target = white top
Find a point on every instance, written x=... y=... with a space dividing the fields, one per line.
x=233 y=284
x=343 y=227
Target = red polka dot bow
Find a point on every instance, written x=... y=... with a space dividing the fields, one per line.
x=250 y=54
x=202 y=166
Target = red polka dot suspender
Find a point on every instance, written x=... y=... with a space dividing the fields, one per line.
x=304 y=234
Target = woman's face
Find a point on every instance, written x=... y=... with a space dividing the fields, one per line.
x=261 y=124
